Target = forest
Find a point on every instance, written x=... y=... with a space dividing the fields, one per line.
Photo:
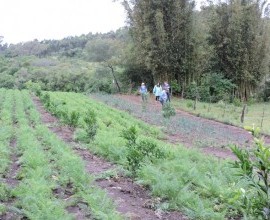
x=220 y=52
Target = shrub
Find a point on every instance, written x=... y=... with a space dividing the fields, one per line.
x=46 y=99
x=168 y=110
x=141 y=152
x=254 y=167
x=34 y=87
x=91 y=125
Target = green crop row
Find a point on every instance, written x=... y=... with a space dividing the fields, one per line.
x=186 y=180
x=6 y=136
x=49 y=168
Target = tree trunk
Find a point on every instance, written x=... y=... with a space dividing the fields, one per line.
x=118 y=87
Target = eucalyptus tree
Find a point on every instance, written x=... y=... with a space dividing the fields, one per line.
x=241 y=44
x=161 y=31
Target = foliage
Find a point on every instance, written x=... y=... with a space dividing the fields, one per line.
x=168 y=110
x=139 y=152
x=254 y=167
x=34 y=87
x=176 y=88
x=213 y=88
x=239 y=36
x=162 y=35
x=264 y=93
x=91 y=126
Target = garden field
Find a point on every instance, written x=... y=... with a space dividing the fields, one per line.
x=257 y=114
x=92 y=161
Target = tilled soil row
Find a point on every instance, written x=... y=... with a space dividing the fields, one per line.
x=11 y=180
x=132 y=200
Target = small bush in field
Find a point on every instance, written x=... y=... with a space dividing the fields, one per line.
x=71 y=119
x=74 y=119
x=254 y=167
x=91 y=125
x=46 y=99
x=168 y=110
x=190 y=104
x=139 y=152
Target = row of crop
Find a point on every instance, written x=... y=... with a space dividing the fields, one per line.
x=72 y=171
x=109 y=122
x=34 y=194
x=6 y=135
x=47 y=164
x=69 y=169
x=186 y=180
x=6 y=131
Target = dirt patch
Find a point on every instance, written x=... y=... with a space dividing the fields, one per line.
x=132 y=200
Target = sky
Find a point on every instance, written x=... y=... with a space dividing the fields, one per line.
x=26 y=20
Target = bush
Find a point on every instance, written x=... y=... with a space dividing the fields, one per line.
x=34 y=87
x=141 y=152
x=168 y=110
x=212 y=87
x=91 y=125
x=254 y=167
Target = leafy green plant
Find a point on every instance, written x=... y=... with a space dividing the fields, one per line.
x=71 y=119
x=46 y=99
x=74 y=119
x=91 y=125
x=168 y=110
x=35 y=87
x=254 y=167
x=139 y=152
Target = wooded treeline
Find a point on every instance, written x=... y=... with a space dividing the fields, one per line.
x=220 y=51
x=178 y=43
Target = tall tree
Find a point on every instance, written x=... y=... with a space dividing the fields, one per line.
x=241 y=44
x=162 y=34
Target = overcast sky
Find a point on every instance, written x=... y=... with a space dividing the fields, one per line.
x=25 y=20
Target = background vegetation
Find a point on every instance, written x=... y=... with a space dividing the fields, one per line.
x=218 y=53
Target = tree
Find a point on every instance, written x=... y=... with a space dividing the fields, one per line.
x=161 y=31
x=240 y=42
x=106 y=51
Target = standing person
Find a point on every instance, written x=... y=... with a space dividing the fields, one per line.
x=143 y=91
x=166 y=87
x=163 y=97
x=157 y=91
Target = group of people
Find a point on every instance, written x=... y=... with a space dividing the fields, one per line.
x=161 y=92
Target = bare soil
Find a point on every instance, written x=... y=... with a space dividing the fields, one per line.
x=132 y=200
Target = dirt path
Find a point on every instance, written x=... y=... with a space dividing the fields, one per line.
x=132 y=200
x=222 y=135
